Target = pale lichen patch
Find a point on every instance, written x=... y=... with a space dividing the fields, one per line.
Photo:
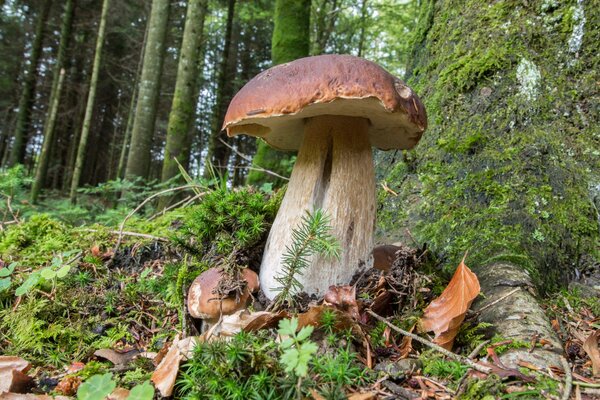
x=528 y=75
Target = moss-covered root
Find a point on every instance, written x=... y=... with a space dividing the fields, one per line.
x=511 y=307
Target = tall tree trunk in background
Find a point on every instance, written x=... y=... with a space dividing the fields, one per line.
x=20 y=134
x=291 y=40
x=57 y=83
x=138 y=162
x=363 y=27
x=509 y=167
x=183 y=109
x=131 y=112
x=85 y=130
x=218 y=153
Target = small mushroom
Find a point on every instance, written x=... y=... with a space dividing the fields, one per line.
x=204 y=304
x=332 y=108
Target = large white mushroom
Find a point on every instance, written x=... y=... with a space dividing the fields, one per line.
x=332 y=108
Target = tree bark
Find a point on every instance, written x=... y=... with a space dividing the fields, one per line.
x=183 y=109
x=138 y=162
x=57 y=85
x=291 y=40
x=218 y=153
x=85 y=130
x=507 y=168
x=20 y=135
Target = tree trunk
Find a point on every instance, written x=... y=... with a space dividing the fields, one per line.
x=508 y=169
x=138 y=162
x=218 y=153
x=183 y=109
x=291 y=40
x=28 y=91
x=85 y=130
x=57 y=85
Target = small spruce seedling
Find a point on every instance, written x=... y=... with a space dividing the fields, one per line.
x=312 y=236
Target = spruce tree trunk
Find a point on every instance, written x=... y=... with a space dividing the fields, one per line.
x=20 y=134
x=85 y=130
x=291 y=40
x=138 y=161
x=183 y=109
x=218 y=153
x=57 y=84
x=509 y=166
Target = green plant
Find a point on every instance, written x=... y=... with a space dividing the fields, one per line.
x=5 y=273
x=312 y=236
x=58 y=269
x=98 y=387
x=298 y=351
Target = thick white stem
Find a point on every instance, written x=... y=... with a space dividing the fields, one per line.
x=334 y=172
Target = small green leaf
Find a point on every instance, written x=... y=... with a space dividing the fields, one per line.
x=145 y=391
x=29 y=283
x=4 y=272
x=287 y=343
x=304 y=333
x=4 y=284
x=145 y=273
x=288 y=327
x=96 y=388
x=47 y=273
x=289 y=358
x=63 y=271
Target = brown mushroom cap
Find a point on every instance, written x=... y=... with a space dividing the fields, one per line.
x=204 y=304
x=274 y=104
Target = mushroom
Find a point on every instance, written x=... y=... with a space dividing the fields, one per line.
x=332 y=108
x=204 y=304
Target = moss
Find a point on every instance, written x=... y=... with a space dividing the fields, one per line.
x=501 y=172
x=483 y=389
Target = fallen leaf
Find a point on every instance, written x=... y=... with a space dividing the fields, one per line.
x=363 y=396
x=31 y=396
x=315 y=395
x=384 y=256
x=445 y=314
x=264 y=320
x=344 y=299
x=68 y=385
x=591 y=348
x=95 y=250
x=118 y=394
x=13 y=376
x=74 y=367
x=121 y=360
x=165 y=374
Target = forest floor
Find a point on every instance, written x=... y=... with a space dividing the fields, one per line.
x=93 y=302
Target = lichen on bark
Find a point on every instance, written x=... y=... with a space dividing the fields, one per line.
x=502 y=172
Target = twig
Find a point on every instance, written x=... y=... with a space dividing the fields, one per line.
x=127 y=233
x=477 y=349
x=493 y=303
x=568 y=378
x=454 y=356
x=567 y=304
x=142 y=204
x=256 y=168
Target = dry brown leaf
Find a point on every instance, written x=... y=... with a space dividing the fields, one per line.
x=118 y=394
x=165 y=374
x=68 y=385
x=445 y=314
x=315 y=395
x=591 y=348
x=384 y=256
x=13 y=377
x=121 y=360
x=363 y=396
x=265 y=320
x=344 y=299
x=31 y=396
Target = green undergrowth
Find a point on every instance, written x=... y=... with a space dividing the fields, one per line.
x=255 y=366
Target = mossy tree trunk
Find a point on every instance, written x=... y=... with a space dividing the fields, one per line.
x=183 y=109
x=138 y=161
x=23 y=118
x=57 y=85
x=508 y=166
x=291 y=40
x=218 y=153
x=89 y=108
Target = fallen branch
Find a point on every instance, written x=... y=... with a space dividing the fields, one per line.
x=128 y=233
x=449 y=354
x=256 y=167
x=493 y=303
x=142 y=204
x=568 y=378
